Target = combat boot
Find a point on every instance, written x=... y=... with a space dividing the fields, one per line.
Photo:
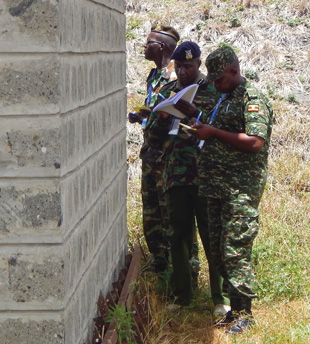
x=227 y=320
x=243 y=318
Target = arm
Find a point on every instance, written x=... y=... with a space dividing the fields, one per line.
x=156 y=131
x=241 y=141
x=135 y=117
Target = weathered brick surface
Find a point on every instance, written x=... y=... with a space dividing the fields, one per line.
x=29 y=84
x=63 y=231
x=30 y=212
x=29 y=25
x=94 y=25
x=89 y=77
x=35 y=331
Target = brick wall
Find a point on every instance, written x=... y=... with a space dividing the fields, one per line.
x=63 y=234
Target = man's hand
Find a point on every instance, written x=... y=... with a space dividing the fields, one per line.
x=241 y=141
x=135 y=117
x=188 y=109
x=202 y=132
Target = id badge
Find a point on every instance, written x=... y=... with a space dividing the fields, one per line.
x=143 y=124
x=201 y=143
x=175 y=126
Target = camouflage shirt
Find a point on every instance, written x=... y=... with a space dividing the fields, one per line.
x=155 y=80
x=179 y=151
x=224 y=169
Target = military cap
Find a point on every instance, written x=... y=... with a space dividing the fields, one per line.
x=218 y=60
x=166 y=31
x=186 y=51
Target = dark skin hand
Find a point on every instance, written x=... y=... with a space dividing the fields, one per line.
x=241 y=141
x=139 y=116
x=188 y=109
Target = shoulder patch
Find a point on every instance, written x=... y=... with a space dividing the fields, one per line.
x=253 y=108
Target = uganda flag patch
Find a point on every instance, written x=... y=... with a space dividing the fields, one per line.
x=253 y=108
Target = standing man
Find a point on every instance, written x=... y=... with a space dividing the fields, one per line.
x=159 y=47
x=180 y=175
x=234 y=170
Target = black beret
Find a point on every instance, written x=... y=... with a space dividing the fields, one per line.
x=186 y=51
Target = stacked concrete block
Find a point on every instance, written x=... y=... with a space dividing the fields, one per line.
x=63 y=232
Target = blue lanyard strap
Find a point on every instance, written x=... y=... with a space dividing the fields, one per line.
x=150 y=90
x=216 y=108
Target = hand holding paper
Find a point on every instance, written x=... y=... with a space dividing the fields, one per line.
x=188 y=109
x=202 y=131
x=168 y=105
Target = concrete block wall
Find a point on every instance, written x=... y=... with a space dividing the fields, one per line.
x=63 y=234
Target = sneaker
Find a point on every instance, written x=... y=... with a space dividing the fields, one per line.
x=241 y=324
x=227 y=320
x=220 y=310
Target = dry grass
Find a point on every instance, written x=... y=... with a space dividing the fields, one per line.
x=272 y=40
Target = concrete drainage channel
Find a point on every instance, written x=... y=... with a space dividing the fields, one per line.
x=123 y=296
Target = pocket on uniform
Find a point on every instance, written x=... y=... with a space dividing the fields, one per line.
x=242 y=205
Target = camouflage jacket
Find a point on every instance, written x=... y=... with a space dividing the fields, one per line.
x=179 y=151
x=155 y=80
x=225 y=170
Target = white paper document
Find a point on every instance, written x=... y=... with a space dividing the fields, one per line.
x=188 y=94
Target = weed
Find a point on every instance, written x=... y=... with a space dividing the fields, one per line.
x=234 y=21
x=131 y=26
x=200 y=26
x=301 y=79
x=252 y=75
x=123 y=322
x=285 y=65
x=292 y=99
x=292 y=22
x=271 y=89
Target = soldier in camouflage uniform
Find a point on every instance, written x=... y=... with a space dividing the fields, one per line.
x=233 y=168
x=160 y=44
x=181 y=176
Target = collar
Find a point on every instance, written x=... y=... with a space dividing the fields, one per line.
x=239 y=90
x=199 y=77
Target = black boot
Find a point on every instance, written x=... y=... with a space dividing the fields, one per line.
x=243 y=318
x=227 y=320
x=241 y=304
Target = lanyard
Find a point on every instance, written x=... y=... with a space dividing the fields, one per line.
x=216 y=108
x=150 y=90
x=201 y=142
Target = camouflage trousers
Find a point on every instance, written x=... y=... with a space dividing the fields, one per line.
x=155 y=220
x=233 y=226
x=184 y=206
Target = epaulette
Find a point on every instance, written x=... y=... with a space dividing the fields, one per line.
x=252 y=93
x=169 y=84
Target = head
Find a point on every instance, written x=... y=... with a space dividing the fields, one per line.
x=161 y=42
x=187 y=62
x=223 y=69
